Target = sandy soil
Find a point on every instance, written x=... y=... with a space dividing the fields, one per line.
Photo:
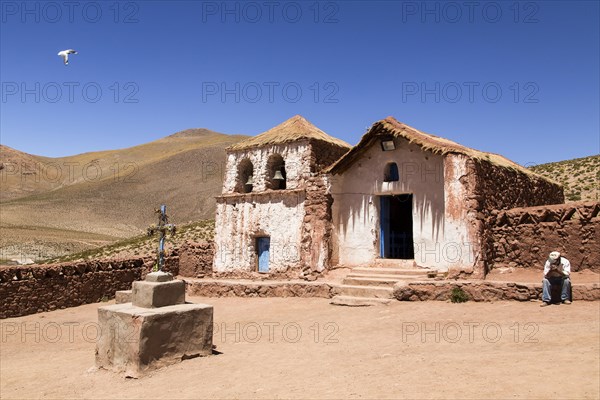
x=307 y=348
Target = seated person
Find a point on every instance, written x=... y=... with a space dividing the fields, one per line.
x=556 y=271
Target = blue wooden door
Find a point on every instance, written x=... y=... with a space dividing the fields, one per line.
x=384 y=220
x=396 y=230
x=263 y=245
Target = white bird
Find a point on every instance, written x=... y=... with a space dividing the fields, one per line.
x=65 y=55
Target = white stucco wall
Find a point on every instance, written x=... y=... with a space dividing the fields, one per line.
x=239 y=223
x=461 y=241
x=296 y=166
x=356 y=206
x=279 y=214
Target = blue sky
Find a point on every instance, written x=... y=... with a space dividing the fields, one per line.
x=519 y=78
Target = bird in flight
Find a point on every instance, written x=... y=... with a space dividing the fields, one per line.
x=65 y=55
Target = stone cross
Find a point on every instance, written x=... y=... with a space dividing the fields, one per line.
x=162 y=228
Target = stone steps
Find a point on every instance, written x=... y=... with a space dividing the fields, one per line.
x=366 y=291
x=352 y=301
x=388 y=271
x=373 y=285
x=370 y=280
x=394 y=263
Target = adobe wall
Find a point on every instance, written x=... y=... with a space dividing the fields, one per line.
x=500 y=188
x=478 y=290
x=298 y=223
x=316 y=228
x=490 y=188
x=297 y=158
x=241 y=218
x=523 y=237
x=441 y=236
x=324 y=154
x=462 y=225
x=196 y=259
x=297 y=219
x=36 y=288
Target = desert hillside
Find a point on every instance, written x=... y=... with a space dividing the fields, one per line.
x=53 y=206
x=580 y=177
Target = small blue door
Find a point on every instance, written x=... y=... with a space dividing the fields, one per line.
x=262 y=245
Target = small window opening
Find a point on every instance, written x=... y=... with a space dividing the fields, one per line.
x=390 y=173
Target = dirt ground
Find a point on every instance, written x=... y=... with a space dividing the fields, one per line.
x=307 y=348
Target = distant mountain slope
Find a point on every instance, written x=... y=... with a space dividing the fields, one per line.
x=20 y=174
x=23 y=174
x=94 y=198
x=580 y=177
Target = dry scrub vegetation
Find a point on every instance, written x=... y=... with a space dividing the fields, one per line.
x=142 y=245
x=580 y=177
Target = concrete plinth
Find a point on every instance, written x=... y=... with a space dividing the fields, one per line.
x=159 y=276
x=158 y=294
x=122 y=296
x=135 y=340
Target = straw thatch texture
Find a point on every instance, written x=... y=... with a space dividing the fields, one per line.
x=435 y=144
x=294 y=129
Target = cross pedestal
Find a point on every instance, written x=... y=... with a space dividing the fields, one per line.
x=156 y=329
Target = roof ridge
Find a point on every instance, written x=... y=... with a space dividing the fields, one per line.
x=293 y=129
x=427 y=141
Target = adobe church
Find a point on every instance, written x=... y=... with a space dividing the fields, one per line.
x=297 y=202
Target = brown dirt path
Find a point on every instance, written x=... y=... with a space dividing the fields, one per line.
x=306 y=348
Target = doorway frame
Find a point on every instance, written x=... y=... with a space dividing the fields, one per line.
x=385 y=225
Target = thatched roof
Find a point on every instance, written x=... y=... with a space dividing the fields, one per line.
x=428 y=142
x=294 y=129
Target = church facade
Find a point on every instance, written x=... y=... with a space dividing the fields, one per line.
x=297 y=202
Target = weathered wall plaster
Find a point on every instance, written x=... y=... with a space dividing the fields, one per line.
x=439 y=241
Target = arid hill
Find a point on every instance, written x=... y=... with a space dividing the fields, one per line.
x=53 y=206
x=580 y=177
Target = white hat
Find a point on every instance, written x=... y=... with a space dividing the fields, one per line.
x=555 y=255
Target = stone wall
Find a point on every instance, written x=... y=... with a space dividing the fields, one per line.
x=523 y=237
x=477 y=290
x=316 y=228
x=36 y=288
x=324 y=154
x=501 y=188
x=270 y=288
x=196 y=259
x=491 y=188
